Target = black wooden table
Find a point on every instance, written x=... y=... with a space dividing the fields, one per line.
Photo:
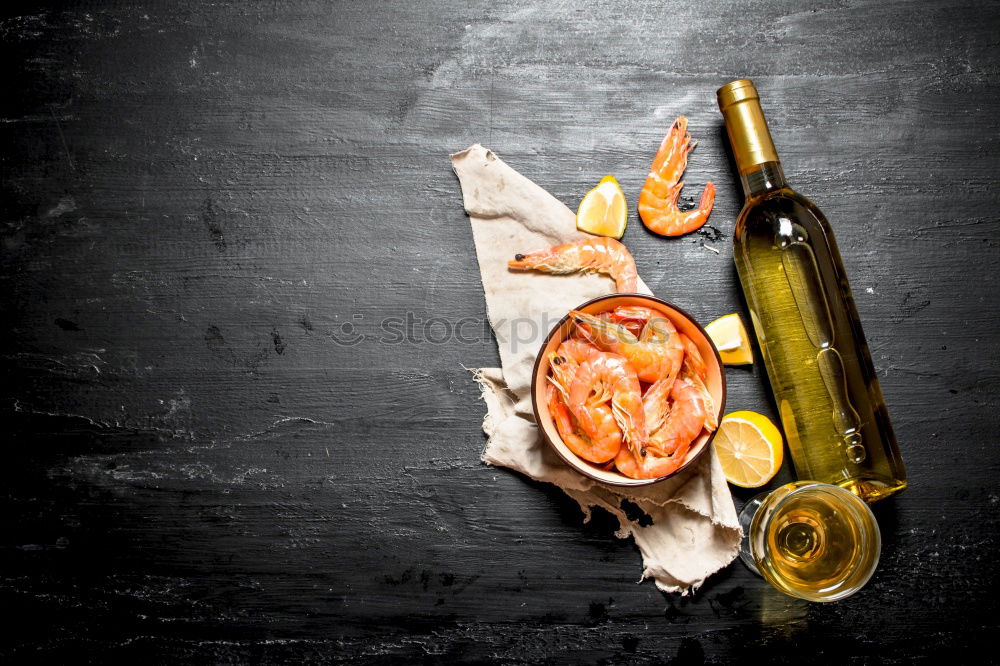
x=239 y=421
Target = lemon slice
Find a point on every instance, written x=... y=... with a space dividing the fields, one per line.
x=749 y=449
x=603 y=211
x=730 y=338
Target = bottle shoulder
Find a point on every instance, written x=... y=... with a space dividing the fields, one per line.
x=769 y=211
x=779 y=201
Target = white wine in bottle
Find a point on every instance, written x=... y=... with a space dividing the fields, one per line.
x=818 y=363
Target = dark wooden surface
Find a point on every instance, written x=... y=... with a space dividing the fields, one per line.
x=202 y=201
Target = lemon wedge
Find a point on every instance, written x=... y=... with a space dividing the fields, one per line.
x=603 y=210
x=749 y=449
x=730 y=338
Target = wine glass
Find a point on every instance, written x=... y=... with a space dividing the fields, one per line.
x=810 y=540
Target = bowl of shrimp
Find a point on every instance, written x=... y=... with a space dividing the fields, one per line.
x=628 y=389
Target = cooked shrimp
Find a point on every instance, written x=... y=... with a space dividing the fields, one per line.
x=656 y=403
x=652 y=324
x=598 y=449
x=636 y=317
x=692 y=410
x=656 y=399
x=696 y=371
x=604 y=444
x=645 y=467
x=574 y=351
x=658 y=199
x=634 y=326
x=608 y=377
x=637 y=313
x=711 y=415
x=688 y=416
x=563 y=420
x=693 y=357
x=655 y=354
x=596 y=254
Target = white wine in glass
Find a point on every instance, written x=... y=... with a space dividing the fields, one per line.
x=814 y=541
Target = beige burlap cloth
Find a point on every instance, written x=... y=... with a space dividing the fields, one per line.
x=694 y=530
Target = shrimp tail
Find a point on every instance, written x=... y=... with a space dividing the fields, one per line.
x=711 y=414
x=707 y=201
x=656 y=404
x=629 y=429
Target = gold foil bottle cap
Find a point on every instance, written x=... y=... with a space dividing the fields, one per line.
x=745 y=123
x=736 y=91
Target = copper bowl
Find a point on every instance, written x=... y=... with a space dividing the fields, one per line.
x=715 y=382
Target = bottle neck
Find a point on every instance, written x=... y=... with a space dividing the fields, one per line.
x=756 y=158
x=763 y=178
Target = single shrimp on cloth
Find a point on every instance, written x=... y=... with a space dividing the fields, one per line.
x=694 y=530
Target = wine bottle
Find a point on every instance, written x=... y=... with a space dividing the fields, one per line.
x=821 y=373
